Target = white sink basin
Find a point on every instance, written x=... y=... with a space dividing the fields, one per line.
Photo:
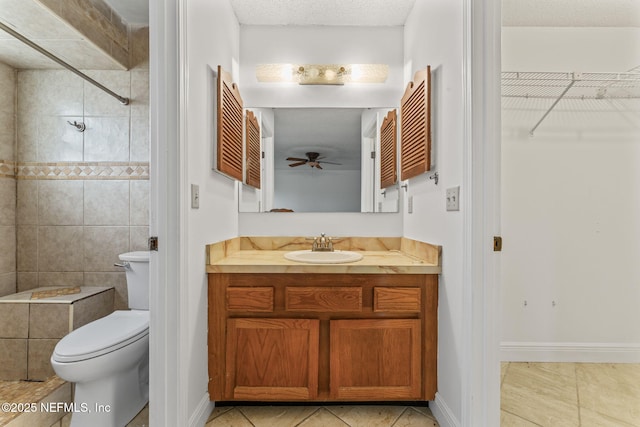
x=318 y=257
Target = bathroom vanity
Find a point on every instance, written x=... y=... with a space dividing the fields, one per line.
x=281 y=330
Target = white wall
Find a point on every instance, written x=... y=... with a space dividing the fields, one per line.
x=323 y=44
x=320 y=45
x=212 y=33
x=571 y=205
x=433 y=36
x=305 y=190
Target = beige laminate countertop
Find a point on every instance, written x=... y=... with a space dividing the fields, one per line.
x=266 y=257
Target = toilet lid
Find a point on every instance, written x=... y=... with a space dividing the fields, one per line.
x=102 y=336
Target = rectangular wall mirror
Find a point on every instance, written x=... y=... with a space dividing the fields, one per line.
x=320 y=160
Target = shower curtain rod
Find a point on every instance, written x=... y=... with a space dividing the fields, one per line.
x=4 y=27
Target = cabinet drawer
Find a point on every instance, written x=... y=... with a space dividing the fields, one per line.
x=396 y=299
x=250 y=299
x=323 y=299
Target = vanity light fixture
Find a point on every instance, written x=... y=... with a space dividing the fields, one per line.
x=322 y=74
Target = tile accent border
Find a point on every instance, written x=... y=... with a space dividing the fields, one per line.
x=79 y=170
x=7 y=169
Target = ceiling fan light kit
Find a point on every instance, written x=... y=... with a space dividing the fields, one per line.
x=322 y=74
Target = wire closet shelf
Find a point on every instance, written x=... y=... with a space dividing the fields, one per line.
x=570 y=86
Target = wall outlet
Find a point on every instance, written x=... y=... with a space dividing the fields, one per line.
x=195 y=196
x=453 y=198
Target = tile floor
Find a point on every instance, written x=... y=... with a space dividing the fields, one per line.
x=570 y=394
x=322 y=416
x=533 y=394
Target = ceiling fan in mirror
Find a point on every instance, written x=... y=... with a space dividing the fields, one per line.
x=313 y=160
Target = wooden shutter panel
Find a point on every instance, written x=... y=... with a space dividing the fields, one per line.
x=229 y=144
x=415 y=126
x=388 y=147
x=252 y=150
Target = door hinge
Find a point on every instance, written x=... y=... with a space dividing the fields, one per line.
x=153 y=243
x=373 y=154
x=497 y=243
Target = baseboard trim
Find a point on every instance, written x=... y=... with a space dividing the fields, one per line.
x=569 y=352
x=443 y=413
x=202 y=412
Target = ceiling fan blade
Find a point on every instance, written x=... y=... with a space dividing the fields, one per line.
x=331 y=163
x=297 y=164
x=295 y=159
x=318 y=165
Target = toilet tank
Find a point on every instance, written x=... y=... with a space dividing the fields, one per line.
x=137 y=272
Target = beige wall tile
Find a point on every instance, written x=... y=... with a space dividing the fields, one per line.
x=7 y=201
x=139 y=202
x=7 y=284
x=106 y=139
x=58 y=141
x=60 y=202
x=27 y=251
x=60 y=279
x=60 y=248
x=7 y=135
x=101 y=104
x=13 y=359
x=14 y=320
x=39 y=355
x=27 y=135
x=49 y=320
x=49 y=92
x=106 y=202
x=8 y=253
x=27 y=203
x=139 y=139
x=140 y=93
x=89 y=309
x=139 y=238
x=102 y=245
x=139 y=50
x=26 y=281
x=117 y=280
x=7 y=88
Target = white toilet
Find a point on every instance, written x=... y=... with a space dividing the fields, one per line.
x=108 y=359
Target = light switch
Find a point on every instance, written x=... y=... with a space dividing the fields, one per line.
x=195 y=196
x=453 y=198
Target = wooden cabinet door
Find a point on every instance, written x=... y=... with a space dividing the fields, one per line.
x=272 y=359
x=377 y=359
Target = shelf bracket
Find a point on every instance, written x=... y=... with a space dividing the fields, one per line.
x=574 y=79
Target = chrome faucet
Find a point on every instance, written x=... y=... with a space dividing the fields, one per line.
x=322 y=244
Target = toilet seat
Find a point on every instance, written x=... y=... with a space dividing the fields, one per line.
x=102 y=336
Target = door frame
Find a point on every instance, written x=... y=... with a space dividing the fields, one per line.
x=480 y=391
x=481 y=220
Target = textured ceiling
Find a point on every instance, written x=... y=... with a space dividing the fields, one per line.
x=322 y=12
x=571 y=13
x=333 y=132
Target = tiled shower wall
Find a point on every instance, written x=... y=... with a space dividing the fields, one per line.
x=7 y=180
x=82 y=197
